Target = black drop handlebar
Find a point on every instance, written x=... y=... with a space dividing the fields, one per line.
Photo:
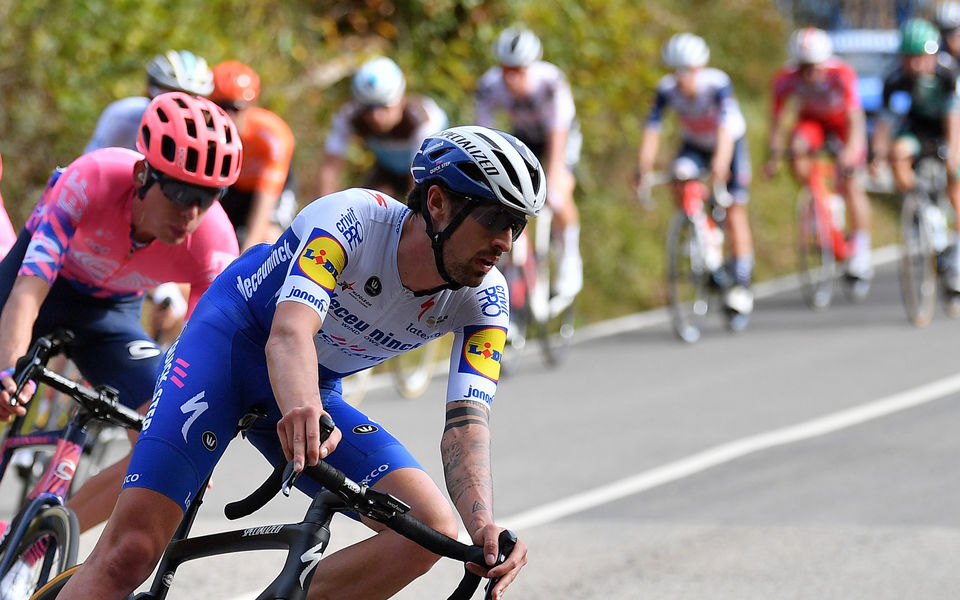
x=379 y=507
x=101 y=403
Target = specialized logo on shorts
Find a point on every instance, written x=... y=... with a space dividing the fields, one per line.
x=141 y=349
x=322 y=260
x=366 y=428
x=482 y=351
x=209 y=439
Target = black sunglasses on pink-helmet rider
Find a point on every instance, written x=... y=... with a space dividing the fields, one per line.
x=182 y=193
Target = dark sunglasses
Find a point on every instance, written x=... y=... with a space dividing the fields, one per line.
x=497 y=218
x=186 y=194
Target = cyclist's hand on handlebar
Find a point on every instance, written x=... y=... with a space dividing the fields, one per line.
x=300 y=436
x=8 y=387
x=506 y=572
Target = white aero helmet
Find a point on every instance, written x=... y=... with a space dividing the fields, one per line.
x=179 y=71
x=517 y=47
x=948 y=15
x=810 y=46
x=378 y=82
x=483 y=164
x=685 y=51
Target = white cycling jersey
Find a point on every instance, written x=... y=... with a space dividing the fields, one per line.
x=339 y=257
x=118 y=124
x=713 y=104
x=549 y=107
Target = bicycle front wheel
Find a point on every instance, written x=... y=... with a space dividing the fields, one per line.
x=816 y=260
x=918 y=272
x=55 y=585
x=688 y=286
x=47 y=548
x=412 y=370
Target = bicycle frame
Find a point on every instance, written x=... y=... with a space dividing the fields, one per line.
x=821 y=171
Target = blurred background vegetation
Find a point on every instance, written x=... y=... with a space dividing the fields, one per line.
x=62 y=62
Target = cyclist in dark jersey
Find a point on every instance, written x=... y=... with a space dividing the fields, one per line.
x=390 y=123
x=922 y=111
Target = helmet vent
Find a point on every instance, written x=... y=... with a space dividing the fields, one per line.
x=191 y=127
x=511 y=172
x=145 y=133
x=193 y=158
x=207 y=119
x=225 y=167
x=488 y=140
x=473 y=172
x=211 y=158
x=163 y=115
x=168 y=148
x=438 y=153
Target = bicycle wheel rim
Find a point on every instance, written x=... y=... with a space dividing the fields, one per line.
x=918 y=277
x=58 y=525
x=412 y=370
x=687 y=280
x=815 y=254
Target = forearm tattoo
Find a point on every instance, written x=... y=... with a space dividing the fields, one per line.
x=466 y=456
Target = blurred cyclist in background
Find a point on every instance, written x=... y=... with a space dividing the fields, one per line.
x=930 y=124
x=262 y=203
x=537 y=98
x=948 y=21
x=713 y=131
x=113 y=225
x=172 y=71
x=8 y=236
x=390 y=123
x=829 y=114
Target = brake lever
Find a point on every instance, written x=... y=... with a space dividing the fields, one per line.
x=506 y=543
x=289 y=475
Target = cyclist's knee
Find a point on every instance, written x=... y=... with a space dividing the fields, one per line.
x=126 y=559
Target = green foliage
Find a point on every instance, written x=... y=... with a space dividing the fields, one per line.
x=62 y=62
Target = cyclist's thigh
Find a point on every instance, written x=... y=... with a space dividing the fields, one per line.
x=366 y=452
x=690 y=162
x=112 y=348
x=808 y=136
x=740 y=172
x=211 y=376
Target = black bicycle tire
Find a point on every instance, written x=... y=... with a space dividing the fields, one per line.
x=60 y=523
x=555 y=344
x=687 y=328
x=919 y=304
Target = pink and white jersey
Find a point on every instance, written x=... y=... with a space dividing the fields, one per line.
x=830 y=98
x=549 y=107
x=81 y=231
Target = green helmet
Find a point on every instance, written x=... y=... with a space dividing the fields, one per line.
x=917 y=37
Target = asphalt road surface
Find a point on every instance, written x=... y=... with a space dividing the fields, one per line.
x=811 y=456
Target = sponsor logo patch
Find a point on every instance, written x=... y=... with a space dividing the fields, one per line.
x=373 y=287
x=366 y=428
x=482 y=351
x=322 y=260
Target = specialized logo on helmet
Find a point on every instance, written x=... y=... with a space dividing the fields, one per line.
x=472 y=149
x=482 y=351
x=322 y=260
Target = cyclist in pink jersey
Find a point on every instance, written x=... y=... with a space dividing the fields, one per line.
x=829 y=113
x=113 y=225
x=7 y=234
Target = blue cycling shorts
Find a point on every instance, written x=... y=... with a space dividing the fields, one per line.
x=110 y=347
x=740 y=173
x=212 y=376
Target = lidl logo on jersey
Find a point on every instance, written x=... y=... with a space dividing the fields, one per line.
x=482 y=351
x=322 y=260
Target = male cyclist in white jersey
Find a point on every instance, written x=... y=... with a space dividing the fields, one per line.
x=537 y=98
x=714 y=139
x=390 y=123
x=356 y=279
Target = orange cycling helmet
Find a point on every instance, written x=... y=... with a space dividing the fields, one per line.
x=235 y=83
x=190 y=139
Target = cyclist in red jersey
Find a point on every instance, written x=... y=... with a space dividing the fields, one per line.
x=828 y=112
x=7 y=234
x=112 y=226
x=262 y=203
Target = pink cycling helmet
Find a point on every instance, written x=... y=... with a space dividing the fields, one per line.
x=190 y=139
